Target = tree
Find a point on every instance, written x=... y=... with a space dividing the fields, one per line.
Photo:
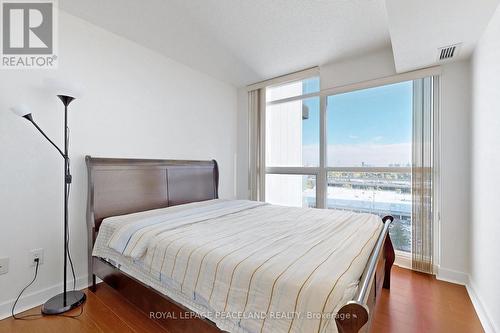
x=400 y=236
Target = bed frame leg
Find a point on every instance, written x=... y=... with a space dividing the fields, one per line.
x=389 y=261
x=93 y=285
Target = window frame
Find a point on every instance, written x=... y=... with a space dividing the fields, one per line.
x=321 y=172
x=318 y=171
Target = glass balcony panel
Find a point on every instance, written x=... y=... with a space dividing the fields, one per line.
x=291 y=190
x=380 y=193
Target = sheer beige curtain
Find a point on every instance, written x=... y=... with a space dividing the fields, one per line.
x=423 y=175
x=254 y=143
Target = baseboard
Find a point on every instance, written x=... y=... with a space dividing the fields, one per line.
x=403 y=260
x=36 y=298
x=484 y=317
x=450 y=275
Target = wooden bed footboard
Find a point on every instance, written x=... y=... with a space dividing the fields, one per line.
x=357 y=314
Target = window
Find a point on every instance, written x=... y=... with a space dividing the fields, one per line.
x=292 y=143
x=371 y=127
x=361 y=161
x=292 y=89
x=292 y=124
x=292 y=133
x=369 y=135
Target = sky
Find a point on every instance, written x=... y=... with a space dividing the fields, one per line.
x=371 y=126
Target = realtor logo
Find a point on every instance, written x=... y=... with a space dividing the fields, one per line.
x=28 y=34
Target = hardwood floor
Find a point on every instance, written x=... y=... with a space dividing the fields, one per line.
x=104 y=311
x=416 y=303
x=419 y=303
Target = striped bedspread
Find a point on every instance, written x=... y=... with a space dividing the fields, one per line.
x=257 y=267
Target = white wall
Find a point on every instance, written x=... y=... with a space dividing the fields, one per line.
x=485 y=178
x=455 y=115
x=366 y=67
x=136 y=103
x=454 y=173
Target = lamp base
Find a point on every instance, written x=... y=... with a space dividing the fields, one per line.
x=56 y=304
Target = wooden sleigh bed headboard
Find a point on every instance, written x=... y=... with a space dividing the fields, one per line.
x=119 y=186
x=122 y=186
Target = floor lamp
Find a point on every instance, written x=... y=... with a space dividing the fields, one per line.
x=67 y=300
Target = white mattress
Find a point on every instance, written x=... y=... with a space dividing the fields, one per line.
x=247 y=266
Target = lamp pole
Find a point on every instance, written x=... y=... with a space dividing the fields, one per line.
x=66 y=300
x=67 y=183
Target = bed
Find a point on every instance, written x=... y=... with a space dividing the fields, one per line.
x=159 y=235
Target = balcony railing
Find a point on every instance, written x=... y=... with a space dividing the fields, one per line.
x=375 y=190
x=380 y=191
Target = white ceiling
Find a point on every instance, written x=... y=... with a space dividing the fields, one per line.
x=245 y=41
x=419 y=27
x=164 y=27
x=276 y=37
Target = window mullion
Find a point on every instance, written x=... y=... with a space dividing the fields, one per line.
x=292 y=99
x=321 y=182
x=262 y=150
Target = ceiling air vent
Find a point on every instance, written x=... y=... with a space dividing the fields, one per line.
x=448 y=52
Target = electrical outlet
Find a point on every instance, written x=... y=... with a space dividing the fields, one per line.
x=36 y=253
x=4 y=265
